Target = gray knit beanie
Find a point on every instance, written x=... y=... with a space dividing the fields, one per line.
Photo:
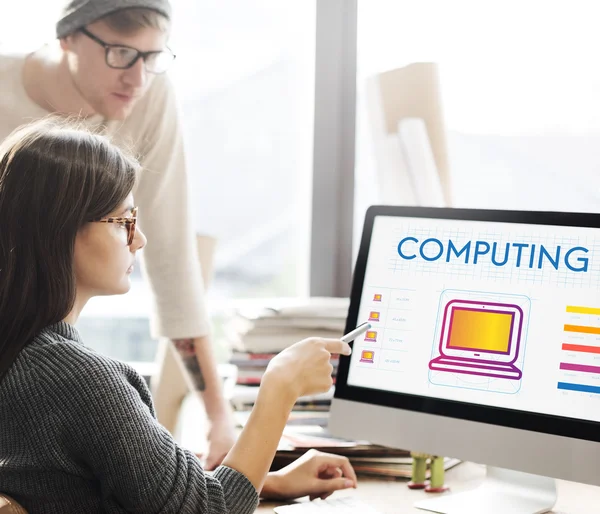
x=78 y=13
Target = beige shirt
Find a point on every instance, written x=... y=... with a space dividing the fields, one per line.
x=153 y=134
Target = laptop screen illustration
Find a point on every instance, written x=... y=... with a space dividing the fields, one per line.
x=480 y=330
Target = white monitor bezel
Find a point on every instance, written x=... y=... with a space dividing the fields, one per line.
x=565 y=427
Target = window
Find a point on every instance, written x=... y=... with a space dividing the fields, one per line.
x=245 y=82
x=245 y=77
x=520 y=95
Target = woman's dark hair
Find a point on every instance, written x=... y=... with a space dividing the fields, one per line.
x=54 y=178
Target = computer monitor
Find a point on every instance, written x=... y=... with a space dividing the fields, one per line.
x=484 y=346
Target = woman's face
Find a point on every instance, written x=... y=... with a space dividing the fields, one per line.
x=103 y=260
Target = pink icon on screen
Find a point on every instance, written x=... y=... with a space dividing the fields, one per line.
x=374 y=316
x=371 y=335
x=367 y=356
x=377 y=297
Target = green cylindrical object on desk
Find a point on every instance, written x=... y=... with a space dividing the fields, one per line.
x=437 y=473
x=419 y=470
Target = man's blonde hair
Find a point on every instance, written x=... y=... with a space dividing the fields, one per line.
x=128 y=21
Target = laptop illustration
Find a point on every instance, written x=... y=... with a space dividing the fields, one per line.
x=374 y=316
x=480 y=338
x=367 y=356
x=371 y=335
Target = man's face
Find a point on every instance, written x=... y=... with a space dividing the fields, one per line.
x=110 y=92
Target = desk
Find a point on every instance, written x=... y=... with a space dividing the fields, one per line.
x=393 y=497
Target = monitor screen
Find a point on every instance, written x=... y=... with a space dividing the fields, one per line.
x=499 y=314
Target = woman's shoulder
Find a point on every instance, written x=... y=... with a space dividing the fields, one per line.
x=54 y=356
x=65 y=375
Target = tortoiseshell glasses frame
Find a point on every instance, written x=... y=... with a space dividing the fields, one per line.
x=129 y=222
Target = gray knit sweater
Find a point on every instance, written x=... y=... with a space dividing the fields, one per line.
x=78 y=434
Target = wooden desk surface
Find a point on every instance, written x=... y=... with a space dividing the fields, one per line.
x=392 y=497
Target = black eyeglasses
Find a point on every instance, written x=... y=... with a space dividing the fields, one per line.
x=123 y=57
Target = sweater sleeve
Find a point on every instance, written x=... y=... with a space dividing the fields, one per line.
x=170 y=257
x=112 y=431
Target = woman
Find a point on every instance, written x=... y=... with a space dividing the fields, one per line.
x=77 y=430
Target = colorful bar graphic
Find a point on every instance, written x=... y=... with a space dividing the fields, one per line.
x=573 y=309
x=579 y=367
x=582 y=330
x=581 y=348
x=578 y=387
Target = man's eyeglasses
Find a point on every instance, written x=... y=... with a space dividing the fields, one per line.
x=129 y=222
x=123 y=57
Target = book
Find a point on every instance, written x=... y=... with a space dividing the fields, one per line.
x=243 y=398
x=263 y=326
x=394 y=470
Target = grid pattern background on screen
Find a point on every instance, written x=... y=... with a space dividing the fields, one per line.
x=485 y=270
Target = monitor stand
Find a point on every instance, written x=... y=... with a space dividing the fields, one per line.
x=502 y=491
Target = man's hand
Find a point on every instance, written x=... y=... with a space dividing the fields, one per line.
x=221 y=438
x=315 y=474
x=201 y=374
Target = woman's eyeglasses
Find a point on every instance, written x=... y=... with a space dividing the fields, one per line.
x=129 y=222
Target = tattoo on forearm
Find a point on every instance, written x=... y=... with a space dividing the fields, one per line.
x=187 y=352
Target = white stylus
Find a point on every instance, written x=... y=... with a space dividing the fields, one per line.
x=351 y=336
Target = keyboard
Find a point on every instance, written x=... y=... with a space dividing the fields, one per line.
x=346 y=505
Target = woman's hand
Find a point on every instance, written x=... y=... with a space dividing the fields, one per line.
x=315 y=474
x=304 y=368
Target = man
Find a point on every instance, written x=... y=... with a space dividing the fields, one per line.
x=108 y=67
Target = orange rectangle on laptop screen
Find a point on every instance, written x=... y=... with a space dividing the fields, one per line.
x=480 y=330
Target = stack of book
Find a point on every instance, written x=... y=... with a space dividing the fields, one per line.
x=258 y=330
x=251 y=367
x=243 y=398
x=260 y=326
